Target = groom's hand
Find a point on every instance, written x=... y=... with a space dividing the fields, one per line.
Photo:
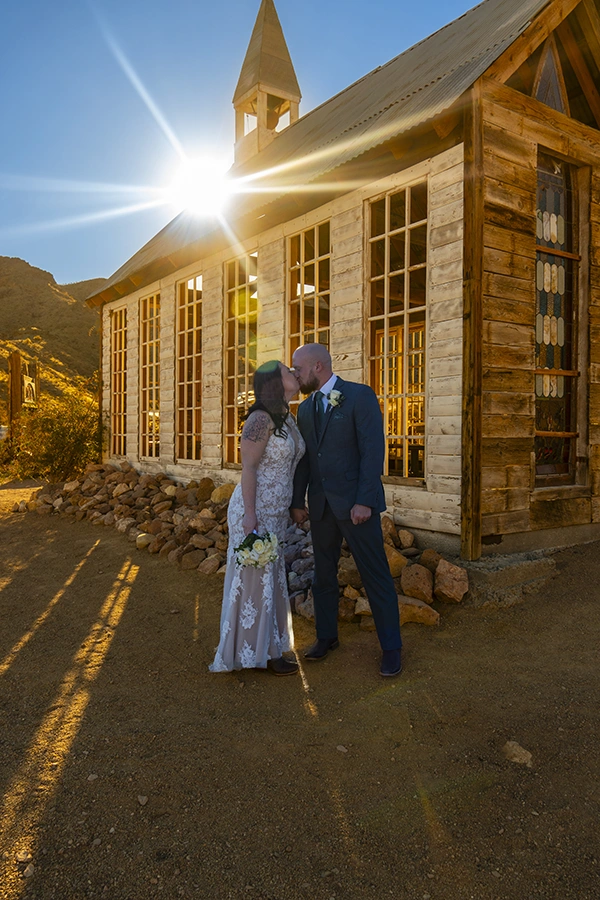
x=299 y=515
x=360 y=514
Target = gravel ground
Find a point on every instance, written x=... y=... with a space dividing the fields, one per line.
x=128 y=771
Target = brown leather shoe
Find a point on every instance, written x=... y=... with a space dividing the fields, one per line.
x=282 y=666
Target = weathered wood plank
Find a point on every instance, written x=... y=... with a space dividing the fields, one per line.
x=502 y=238
x=508 y=334
x=506 y=523
x=507 y=146
x=559 y=513
x=500 y=404
x=510 y=451
x=472 y=327
x=524 y=115
x=517 y=425
x=503 y=262
x=502 y=310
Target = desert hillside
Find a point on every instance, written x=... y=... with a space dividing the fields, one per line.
x=49 y=322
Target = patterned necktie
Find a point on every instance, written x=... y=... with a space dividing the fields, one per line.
x=319 y=412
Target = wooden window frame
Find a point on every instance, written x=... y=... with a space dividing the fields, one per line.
x=296 y=266
x=118 y=382
x=188 y=370
x=237 y=315
x=150 y=377
x=404 y=396
x=549 y=485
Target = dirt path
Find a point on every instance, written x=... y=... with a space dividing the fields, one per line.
x=128 y=772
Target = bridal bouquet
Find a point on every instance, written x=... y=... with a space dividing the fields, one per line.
x=257 y=550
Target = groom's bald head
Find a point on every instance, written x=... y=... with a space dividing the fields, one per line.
x=312 y=364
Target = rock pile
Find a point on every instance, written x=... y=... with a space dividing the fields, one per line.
x=187 y=524
x=420 y=577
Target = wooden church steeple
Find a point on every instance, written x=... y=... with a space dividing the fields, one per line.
x=267 y=90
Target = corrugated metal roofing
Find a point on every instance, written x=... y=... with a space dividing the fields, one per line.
x=411 y=89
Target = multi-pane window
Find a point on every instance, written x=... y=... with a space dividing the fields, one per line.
x=309 y=274
x=150 y=376
x=397 y=324
x=118 y=382
x=189 y=368
x=556 y=276
x=241 y=289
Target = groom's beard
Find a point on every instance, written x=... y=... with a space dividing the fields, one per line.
x=307 y=387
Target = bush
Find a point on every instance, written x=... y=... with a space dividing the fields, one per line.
x=57 y=440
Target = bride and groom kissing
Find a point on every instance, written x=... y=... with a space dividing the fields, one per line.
x=335 y=451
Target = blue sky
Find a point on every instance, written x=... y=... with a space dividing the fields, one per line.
x=79 y=142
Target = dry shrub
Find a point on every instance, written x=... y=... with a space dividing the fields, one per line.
x=58 y=439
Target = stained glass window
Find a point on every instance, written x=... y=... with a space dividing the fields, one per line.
x=555 y=374
x=397 y=324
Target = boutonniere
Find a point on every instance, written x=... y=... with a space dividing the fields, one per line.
x=335 y=398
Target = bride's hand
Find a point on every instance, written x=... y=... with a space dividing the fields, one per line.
x=249 y=523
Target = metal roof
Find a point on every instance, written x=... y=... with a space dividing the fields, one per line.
x=413 y=88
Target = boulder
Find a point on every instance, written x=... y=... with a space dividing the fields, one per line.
x=222 y=493
x=389 y=530
x=348 y=573
x=395 y=560
x=413 y=610
x=158 y=543
x=367 y=623
x=200 y=541
x=346 y=611
x=170 y=490
x=167 y=548
x=405 y=538
x=363 y=607
x=417 y=581
x=210 y=565
x=430 y=559
x=307 y=608
x=205 y=489
x=351 y=593
x=143 y=540
x=451 y=582
x=193 y=559
x=203 y=524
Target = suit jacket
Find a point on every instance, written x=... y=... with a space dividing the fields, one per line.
x=344 y=465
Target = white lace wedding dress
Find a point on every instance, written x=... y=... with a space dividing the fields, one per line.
x=256 y=622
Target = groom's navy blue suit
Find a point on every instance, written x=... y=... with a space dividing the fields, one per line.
x=342 y=467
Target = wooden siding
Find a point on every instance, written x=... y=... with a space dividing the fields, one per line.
x=514 y=127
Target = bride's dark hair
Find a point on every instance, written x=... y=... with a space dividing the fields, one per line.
x=270 y=395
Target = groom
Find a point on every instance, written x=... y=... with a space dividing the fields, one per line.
x=342 y=427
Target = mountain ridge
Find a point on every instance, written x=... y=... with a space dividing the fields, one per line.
x=49 y=322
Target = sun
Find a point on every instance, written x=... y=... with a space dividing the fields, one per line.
x=201 y=186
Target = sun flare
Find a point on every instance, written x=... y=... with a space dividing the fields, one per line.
x=201 y=186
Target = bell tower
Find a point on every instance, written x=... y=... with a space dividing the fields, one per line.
x=267 y=96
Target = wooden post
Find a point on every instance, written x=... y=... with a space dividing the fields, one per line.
x=472 y=329
x=15 y=393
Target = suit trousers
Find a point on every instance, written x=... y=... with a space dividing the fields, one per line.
x=366 y=545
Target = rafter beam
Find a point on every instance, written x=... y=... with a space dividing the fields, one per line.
x=589 y=20
x=528 y=42
x=580 y=68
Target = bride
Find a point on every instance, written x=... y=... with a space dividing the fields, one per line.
x=256 y=622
